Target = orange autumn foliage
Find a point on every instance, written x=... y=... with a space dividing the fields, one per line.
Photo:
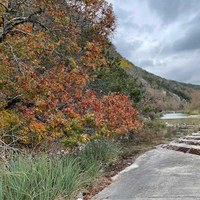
x=47 y=64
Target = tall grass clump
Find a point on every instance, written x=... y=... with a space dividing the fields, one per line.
x=48 y=178
x=102 y=151
x=41 y=178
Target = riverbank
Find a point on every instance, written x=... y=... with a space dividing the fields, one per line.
x=154 y=134
x=94 y=166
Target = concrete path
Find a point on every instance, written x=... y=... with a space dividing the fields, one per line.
x=159 y=174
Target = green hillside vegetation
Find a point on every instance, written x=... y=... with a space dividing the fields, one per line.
x=157 y=93
x=173 y=95
x=194 y=106
x=115 y=79
x=180 y=89
x=149 y=92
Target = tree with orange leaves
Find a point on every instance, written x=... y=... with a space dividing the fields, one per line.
x=49 y=52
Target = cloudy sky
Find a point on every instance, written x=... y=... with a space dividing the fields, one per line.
x=161 y=36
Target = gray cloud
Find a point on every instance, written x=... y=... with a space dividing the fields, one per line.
x=191 y=41
x=171 y=10
x=162 y=36
x=185 y=74
x=147 y=62
x=127 y=47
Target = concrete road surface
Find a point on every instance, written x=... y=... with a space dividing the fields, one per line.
x=159 y=174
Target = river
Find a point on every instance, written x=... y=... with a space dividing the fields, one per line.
x=179 y=116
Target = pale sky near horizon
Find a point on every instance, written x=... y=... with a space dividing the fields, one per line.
x=161 y=36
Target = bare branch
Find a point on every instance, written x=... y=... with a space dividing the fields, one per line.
x=16 y=31
x=4 y=6
x=13 y=101
x=16 y=59
x=20 y=3
x=8 y=26
x=21 y=20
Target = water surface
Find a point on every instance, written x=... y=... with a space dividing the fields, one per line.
x=178 y=116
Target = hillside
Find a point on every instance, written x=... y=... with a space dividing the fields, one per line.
x=158 y=92
x=148 y=91
x=164 y=94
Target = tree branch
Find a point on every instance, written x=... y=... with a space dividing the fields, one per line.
x=8 y=26
x=20 y=3
x=12 y=101
x=4 y=6
x=16 y=59
x=19 y=31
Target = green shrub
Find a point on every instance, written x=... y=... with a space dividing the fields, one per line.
x=9 y=123
x=116 y=79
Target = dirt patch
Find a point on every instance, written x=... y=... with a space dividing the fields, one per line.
x=97 y=187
